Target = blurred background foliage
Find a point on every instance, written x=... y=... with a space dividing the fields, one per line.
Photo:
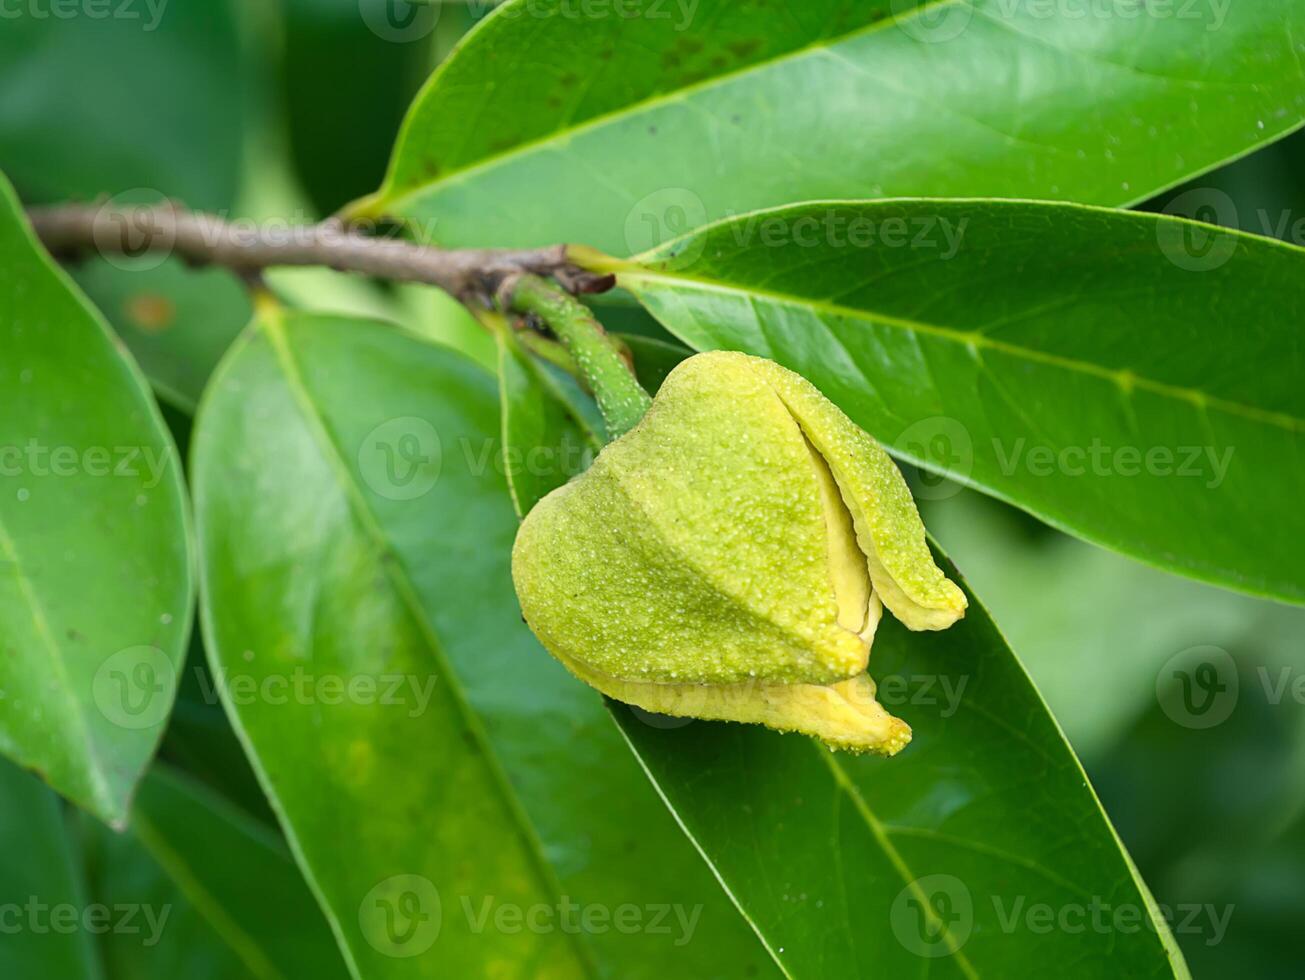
x=263 y=109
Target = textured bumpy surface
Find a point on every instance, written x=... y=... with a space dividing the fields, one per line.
x=717 y=561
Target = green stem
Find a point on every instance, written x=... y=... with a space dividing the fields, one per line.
x=618 y=394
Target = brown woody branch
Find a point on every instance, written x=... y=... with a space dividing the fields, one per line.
x=246 y=247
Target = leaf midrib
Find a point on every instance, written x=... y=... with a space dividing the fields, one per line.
x=273 y=324
x=975 y=340
x=94 y=768
x=632 y=109
x=844 y=784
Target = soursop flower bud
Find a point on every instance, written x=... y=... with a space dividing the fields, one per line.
x=730 y=556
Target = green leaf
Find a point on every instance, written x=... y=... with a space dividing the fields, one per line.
x=195 y=889
x=386 y=47
x=176 y=321
x=1124 y=377
x=95 y=575
x=862 y=866
x=201 y=741
x=143 y=96
x=234 y=874
x=181 y=139
x=39 y=873
x=542 y=448
x=648 y=121
x=1091 y=604
x=653 y=358
x=363 y=541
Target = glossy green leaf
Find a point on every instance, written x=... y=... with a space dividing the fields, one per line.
x=645 y=120
x=356 y=532
x=95 y=577
x=1128 y=378
x=542 y=448
x=39 y=875
x=948 y=860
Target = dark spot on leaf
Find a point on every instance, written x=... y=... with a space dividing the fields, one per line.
x=743 y=48
x=503 y=143
x=151 y=312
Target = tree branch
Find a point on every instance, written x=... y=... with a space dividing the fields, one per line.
x=247 y=247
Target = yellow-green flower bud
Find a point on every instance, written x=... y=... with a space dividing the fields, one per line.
x=727 y=558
